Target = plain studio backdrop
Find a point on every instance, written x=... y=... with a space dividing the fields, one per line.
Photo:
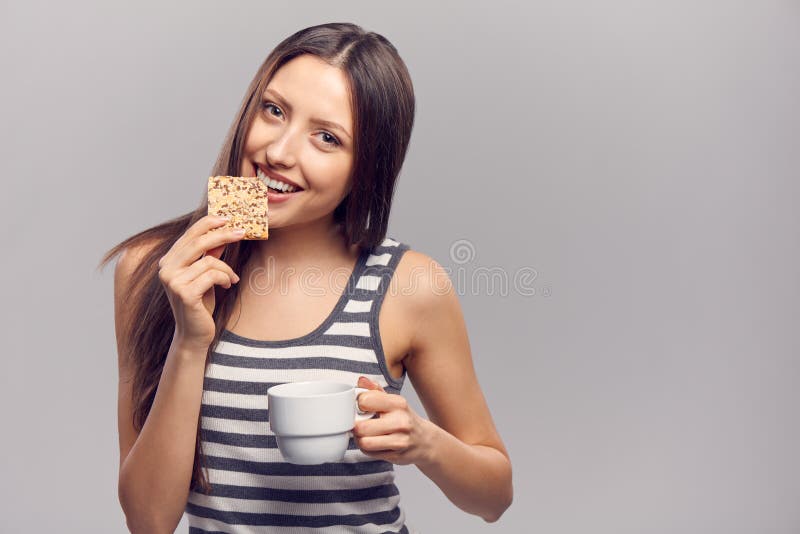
x=626 y=173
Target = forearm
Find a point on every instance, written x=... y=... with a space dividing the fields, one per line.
x=155 y=476
x=476 y=478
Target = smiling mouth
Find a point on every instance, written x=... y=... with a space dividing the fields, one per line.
x=276 y=186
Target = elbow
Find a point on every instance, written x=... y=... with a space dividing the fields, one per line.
x=498 y=511
x=506 y=498
x=140 y=523
x=140 y=517
x=145 y=527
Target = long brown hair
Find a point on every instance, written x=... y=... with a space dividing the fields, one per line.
x=382 y=99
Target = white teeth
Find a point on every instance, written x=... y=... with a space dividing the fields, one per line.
x=275 y=184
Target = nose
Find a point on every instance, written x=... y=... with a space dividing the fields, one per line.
x=280 y=151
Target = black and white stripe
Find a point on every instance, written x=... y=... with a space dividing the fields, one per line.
x=254 y=489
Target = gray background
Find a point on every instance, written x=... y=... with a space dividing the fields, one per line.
x=641 y=157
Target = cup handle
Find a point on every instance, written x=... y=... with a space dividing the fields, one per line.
x=362 y=416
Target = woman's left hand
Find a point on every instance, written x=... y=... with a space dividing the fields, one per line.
x=398 y=434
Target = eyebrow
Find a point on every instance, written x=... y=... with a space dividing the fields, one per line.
x=321 y=122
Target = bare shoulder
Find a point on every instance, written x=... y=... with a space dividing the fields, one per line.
x=129 y=259
x=423 y=283
x=127 y=262
x=439 y=361
x=425 y=299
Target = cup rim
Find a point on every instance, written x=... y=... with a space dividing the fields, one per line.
x=277 y=391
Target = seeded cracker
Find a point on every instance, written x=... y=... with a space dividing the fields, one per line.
x=244 y=200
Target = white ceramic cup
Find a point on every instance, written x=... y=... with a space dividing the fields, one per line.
x=312 y=421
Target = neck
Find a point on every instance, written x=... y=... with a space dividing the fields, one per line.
x=301 y=244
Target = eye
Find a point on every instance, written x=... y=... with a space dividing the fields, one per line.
x=267 y=105
x=329 y=139
x=333 y=142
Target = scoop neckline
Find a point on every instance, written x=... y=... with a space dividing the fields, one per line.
x=227 y=335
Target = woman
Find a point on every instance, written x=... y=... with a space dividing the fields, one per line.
x=326 y=121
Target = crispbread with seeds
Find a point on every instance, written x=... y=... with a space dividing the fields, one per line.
x=244 y=200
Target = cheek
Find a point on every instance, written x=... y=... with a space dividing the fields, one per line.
x=330 y=173
x=257 y=136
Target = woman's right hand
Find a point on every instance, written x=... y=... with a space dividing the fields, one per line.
x=189 y=271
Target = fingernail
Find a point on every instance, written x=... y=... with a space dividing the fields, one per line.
x=239 y=231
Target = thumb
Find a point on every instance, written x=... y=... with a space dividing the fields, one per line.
x=365 y=382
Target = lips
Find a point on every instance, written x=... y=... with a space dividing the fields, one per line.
x=275 y=176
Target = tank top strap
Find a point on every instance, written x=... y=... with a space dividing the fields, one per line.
x=357 y=319
x=379 y=267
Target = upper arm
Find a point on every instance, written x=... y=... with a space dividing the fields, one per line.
x=126 y=264
x=439 y=363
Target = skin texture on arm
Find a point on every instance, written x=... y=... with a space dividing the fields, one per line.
x=156 y=463
x=126 y=264
x=458 y=447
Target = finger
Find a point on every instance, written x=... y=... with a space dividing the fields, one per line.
x=389 y=442
x=380 y=401
x=198 y=287
x=200 y=227
x=216 y=251
x=389 y=456
x=202 y=265
x=365 y=382
x=215 y=238
x=377 y=427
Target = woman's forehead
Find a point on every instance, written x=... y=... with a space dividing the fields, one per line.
x=308 y=85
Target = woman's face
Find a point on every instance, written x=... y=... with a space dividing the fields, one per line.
x=287 y=139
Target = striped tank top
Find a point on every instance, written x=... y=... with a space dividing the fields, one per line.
x=254 y=490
